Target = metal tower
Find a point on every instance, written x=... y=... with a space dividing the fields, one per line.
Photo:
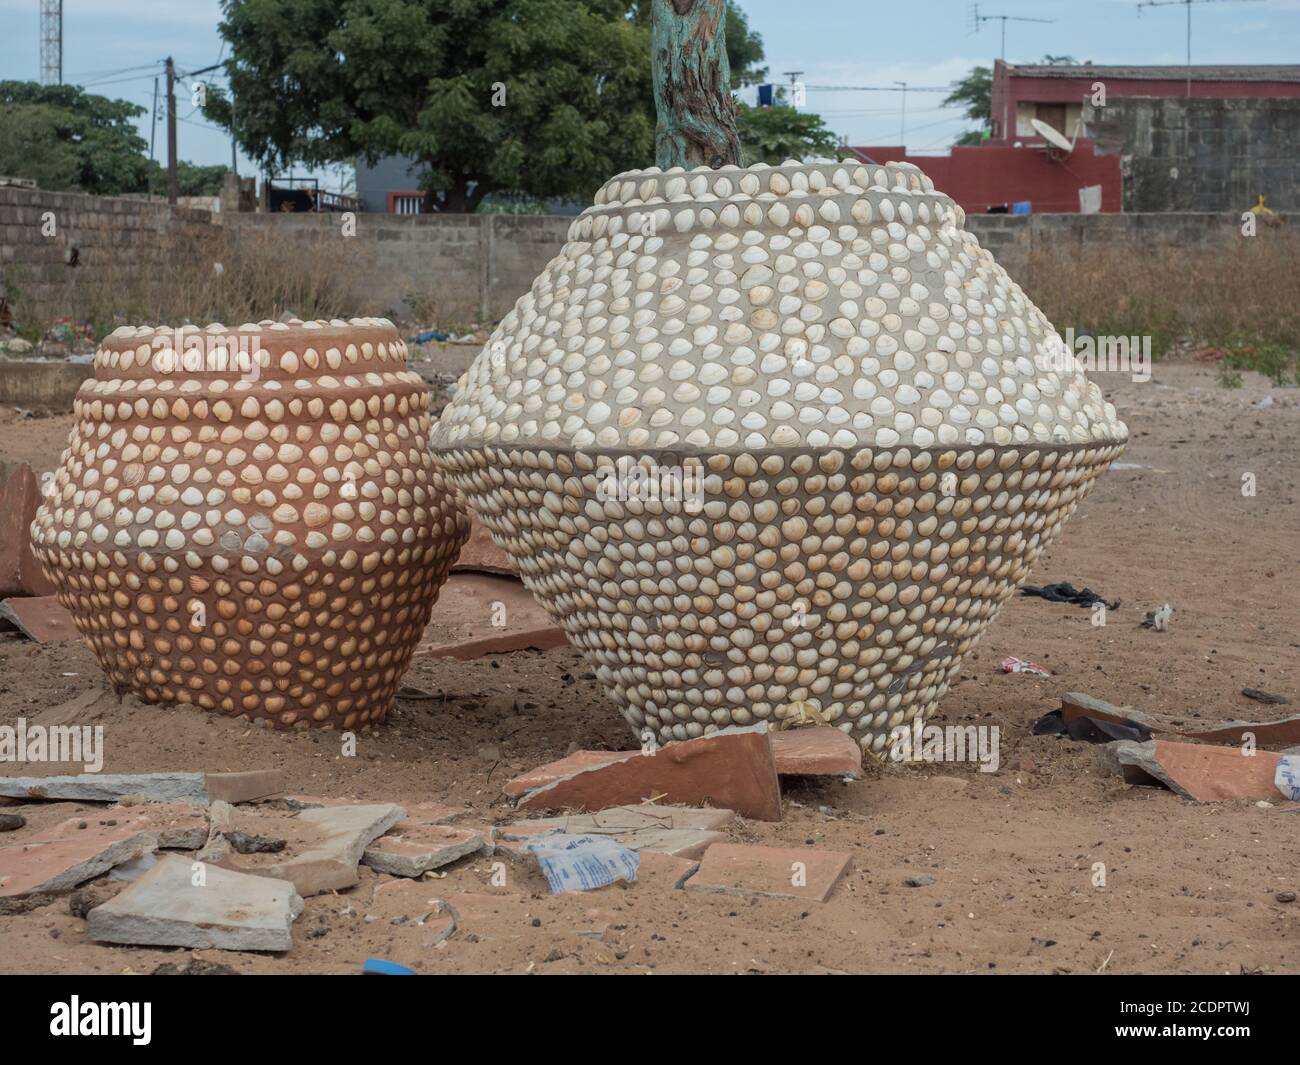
x=51 y=42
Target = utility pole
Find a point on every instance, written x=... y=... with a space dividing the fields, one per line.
x=902 y=117
x=171 y=131
x=51 y=42
x=153 y=130
x=1187 y=4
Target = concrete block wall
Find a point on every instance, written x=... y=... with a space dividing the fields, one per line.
x=40 y=232
x=1202 y=154
x=455 y=269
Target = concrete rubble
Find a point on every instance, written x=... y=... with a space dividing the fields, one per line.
x=172 y=905
x=152 y=787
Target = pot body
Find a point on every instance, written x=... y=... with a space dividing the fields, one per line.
x=249 y=520
x=775 y=436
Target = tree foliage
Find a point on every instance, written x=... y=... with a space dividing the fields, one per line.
x=547 y=97
x=65 y=138
x=774 y=134
x=975 y=93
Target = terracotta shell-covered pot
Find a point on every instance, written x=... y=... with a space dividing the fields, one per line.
x=249 y=520
x=766 y=437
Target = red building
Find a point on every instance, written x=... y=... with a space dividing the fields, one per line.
x=1017 y=165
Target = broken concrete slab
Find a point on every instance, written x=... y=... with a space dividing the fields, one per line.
x=20 y=570
x=668 y=872
x=179 y=825
x=489 y=615
x=733 y=769
x=808 y=873
x=173 y=905
x=40 y=618
x=412 y=850
x=816 y=751
x=329 y=844
x=685 y=832
x=1199 y=772
x=153 y=787
x=71 y=853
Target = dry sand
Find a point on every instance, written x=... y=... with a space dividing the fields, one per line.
x=1013 y=853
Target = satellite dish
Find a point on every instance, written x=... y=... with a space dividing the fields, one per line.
x=1051 y=135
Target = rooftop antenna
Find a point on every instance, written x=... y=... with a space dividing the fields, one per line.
x=51 y=42
x=1004 y=19
x=1187 y=4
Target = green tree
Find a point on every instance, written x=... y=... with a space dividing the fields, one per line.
x=65 y=138
x=744 y=49
x=543 y=97
x=775 y=134
x=975 y=93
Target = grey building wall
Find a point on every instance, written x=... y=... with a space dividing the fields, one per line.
x=1202 y=154
x=396 y=173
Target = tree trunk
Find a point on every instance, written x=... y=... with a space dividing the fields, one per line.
x=692 y=85
x=460 y=199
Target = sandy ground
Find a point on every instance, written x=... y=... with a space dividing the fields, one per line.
x=1188 y=888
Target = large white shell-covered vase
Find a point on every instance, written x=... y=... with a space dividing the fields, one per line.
x=774 y=436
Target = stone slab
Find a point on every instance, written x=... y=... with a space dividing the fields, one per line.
x=412 y=850
x=732 y=769
x=40 y=618
x=108 y=787
x=226 y=911
x=68 y=854
x=1200 y=772
x=338 y=837
x=816 y=751
x=465 y=603
x=807 y=873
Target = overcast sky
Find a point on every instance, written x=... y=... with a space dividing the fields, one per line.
x=115 y=47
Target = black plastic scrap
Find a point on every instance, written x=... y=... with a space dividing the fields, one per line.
x=1090 y=729
x=1065 y=592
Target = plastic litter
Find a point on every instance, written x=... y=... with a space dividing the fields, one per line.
x=1287 y=777
x=384 y=967
x=1019 y=665
x=582 y=863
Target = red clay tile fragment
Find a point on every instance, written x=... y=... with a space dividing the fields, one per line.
x=492 y=615
x=248 y=786
x=1200 y=772
x=67 y=855
x=733 y=769
x=20 y=571
x=818 y=751
x=41 y=618
x=553 y=771
x=480 y=553
x=776 y=872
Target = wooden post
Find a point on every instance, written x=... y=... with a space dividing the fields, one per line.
x=692 y=85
